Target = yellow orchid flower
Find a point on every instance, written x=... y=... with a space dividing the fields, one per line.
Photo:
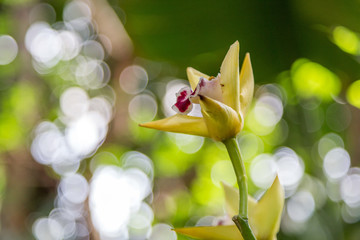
x=264 y=216
x=224 y=100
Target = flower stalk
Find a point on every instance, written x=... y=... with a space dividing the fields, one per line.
x=240 y=220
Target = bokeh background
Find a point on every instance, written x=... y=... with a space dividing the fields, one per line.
x=77 y=77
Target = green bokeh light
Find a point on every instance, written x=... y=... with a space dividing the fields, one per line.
x=222 y=171
x=206 y=193
x=346 y=40
x=11 y=133
x=353 y=94
x=170 y=160
x=311 y=79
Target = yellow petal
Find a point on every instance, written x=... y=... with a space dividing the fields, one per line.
x=230 y=232
x=264 y=215
x=246 y=85
x=232 y=201
x=194 y=76
x=268 y=212
x=230 y=77
x=180 y=124
x=221 y=120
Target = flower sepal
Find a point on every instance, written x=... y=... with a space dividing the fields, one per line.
x=264 y=216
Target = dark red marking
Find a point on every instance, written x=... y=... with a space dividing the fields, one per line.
x=182 y=101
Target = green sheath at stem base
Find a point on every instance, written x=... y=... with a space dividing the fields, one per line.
x=241 y=220
x=244 y=227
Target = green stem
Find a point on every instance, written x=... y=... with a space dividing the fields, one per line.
x=241 y=220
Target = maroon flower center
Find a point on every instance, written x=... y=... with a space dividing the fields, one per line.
x=183 y=102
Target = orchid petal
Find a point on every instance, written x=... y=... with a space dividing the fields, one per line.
x=210 y=88
x=264 y=215
x=226 y=232
x=194 y=76
x=221 y=120
x=180 y=124
x=230 y=77
x=268 y=212
x=232 y=201
x=246 y=85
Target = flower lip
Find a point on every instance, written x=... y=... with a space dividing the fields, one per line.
x=183 y=104
x=206 y=87
x=210 y=87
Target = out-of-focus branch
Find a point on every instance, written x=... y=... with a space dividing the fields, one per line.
x=121 y=51
x=110 y=25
